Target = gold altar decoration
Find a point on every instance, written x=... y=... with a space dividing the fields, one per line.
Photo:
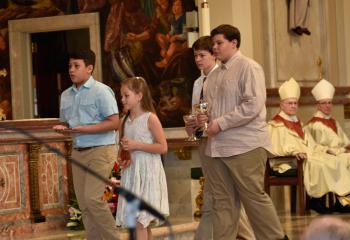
x=69 y=146
x=34 y=151
x=199 y=199
x=183 y=153
x=30 y=200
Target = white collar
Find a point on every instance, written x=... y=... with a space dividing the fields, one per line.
x=212 y=70
x=322 y=115
x=293 y=118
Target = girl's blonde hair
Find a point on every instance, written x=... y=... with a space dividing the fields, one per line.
x=139 y=85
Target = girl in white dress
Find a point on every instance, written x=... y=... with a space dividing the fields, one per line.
x=143 y=137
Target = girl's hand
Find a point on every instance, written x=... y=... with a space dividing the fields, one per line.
x=124 y=163
x=128 y=144
x=124 y=158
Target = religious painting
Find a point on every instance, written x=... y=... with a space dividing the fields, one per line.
x=5 y=85
x=139 y=38
x=147 y=38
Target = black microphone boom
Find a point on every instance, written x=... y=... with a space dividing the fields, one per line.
x=129 y=196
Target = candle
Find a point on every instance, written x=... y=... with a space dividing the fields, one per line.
x=204 y=24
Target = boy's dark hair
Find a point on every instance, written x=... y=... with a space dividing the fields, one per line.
x=87 y=55
x=203 y=43
x=230 y=33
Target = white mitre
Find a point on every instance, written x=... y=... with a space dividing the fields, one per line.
x=323 y=90
x=289 y=89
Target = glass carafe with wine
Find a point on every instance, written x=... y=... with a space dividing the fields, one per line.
x=124 y=156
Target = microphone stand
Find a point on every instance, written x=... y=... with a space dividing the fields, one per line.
x=131 y=210
x=136 y=203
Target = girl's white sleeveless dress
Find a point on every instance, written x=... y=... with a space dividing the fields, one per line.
x=145 y=177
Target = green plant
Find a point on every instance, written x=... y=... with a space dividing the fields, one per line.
x=75 y=221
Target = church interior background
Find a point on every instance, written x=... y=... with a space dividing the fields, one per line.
x=35 y=183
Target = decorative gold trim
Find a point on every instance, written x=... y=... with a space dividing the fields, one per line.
x=200 y=198
x=183 y=153
x=69 y=146
x=35 y=213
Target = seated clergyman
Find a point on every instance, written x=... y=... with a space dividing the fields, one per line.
x=323 y=127
x=323 y=171
x=327 y=132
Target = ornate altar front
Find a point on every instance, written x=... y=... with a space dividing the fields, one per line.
x=34 y=180
x=36 y=183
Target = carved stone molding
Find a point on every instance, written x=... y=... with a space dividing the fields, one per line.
x=36 y=216
x=69 y=146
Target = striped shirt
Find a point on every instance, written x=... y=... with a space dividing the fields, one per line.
x=236 y=95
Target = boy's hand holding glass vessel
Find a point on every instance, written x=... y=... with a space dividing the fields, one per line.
x=190 y=126
x=201 y=110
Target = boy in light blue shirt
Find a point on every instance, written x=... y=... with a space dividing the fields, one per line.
x=89 y=113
